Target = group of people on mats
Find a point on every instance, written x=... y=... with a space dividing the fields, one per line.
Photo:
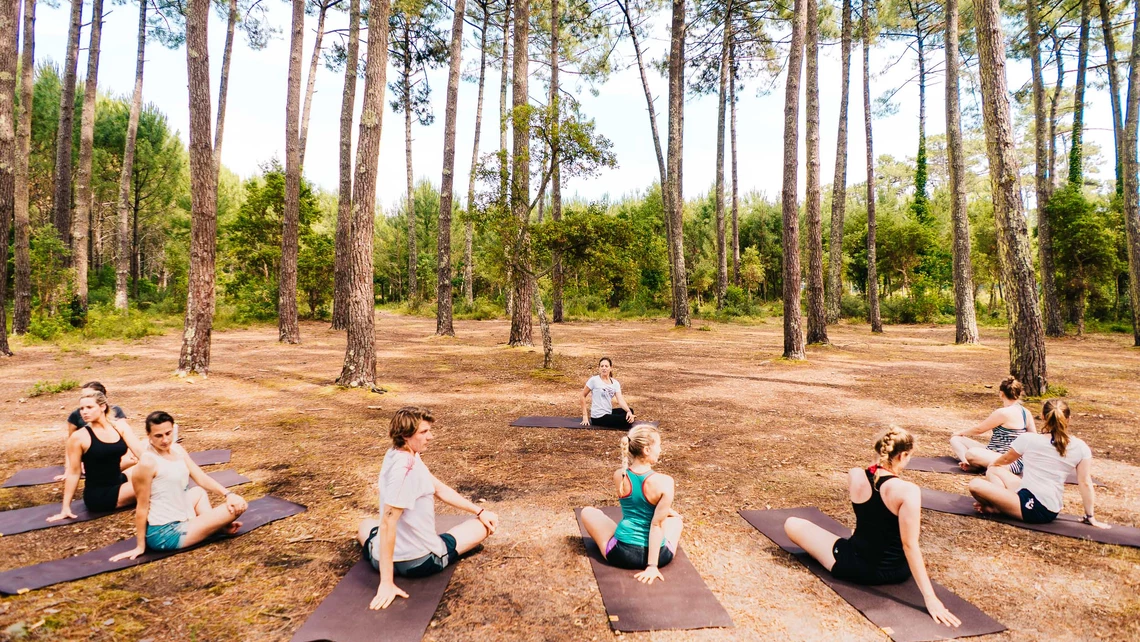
x=883 y=549
x=120 y=470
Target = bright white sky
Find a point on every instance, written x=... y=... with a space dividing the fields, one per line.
x=255 y=119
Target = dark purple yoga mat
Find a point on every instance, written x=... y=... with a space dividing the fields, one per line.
x=682 y=601
x=1064 y=525
x=29 y=578
x=344 y=615
x=22 y=520
x=37 y=476
x=950 y=465
x=897 y=609
x=536 y=421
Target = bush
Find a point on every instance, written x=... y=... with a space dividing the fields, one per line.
x=852 y=306
x=47 y=328
x=481 y=309
x=49 y=388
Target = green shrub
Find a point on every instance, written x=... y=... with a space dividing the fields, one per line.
x=481 y=309
x=852 y=306
x=49 y=388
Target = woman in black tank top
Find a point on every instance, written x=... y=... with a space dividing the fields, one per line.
x=884 y=547
x=100 y=447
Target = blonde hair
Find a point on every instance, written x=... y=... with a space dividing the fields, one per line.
x=99 y=397
x=636 y=442
x=1056 y=414
x=892 y=443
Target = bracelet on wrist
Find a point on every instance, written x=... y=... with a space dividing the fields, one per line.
x=480 y=512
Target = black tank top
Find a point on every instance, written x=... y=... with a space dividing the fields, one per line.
x=877 y=538
x=101 y=461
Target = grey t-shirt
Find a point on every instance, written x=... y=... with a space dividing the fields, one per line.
x=602 y=395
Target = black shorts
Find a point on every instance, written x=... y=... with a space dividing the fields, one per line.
x=616 y=419
x=635 y=558
x=850 y=566
x=1032 y=510
x=429 y=564
x=103 y=499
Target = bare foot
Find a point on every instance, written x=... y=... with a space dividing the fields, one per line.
x=233 y=528
x=985 y=510
x=966 y=468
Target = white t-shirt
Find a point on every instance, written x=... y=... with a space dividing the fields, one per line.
x=1045 y=470
x=602 y=395
x=406 y=483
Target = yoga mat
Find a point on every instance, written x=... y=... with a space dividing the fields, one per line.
x=37 y=476
x=1064 y=525
x=29 y=578
x=682 y=601
x=950 y=465
x=897 y=609
x=22 y=520
x=536 y=421
x=344 y=615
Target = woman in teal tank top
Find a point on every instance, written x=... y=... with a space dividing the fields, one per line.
x=648 y=534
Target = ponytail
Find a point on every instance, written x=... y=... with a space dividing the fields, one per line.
x=636 y=442
x=1056 y=413
x=892 y=443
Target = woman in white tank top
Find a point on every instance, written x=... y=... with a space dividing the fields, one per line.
x=169 y=514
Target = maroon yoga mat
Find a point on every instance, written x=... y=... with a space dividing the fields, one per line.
x=897 y=609
x=1064 y=525
x=344 y=615
x=37 y=476
x=683 y=601
x=537 y=421
x=29 y=578
x=950 y=465
x=34 y=518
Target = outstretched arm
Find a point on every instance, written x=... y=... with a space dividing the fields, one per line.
x=986 y=425
x=388 y=591
x=1088 y=493
x=71 y=477
x=451 y=497
x=141 y=479
x=1007 y=458
x=209 y=484
x=624 y=406
x=586 y=406
x=657 y=532
x=133 y=442
x=910 y=517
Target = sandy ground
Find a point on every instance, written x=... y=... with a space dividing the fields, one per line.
x=741 y=428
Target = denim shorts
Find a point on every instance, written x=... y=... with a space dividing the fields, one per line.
x=429 y=564
x=166 y=537
x=636 y=558
x=1032 y=510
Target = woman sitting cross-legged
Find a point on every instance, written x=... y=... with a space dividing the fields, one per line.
x=1004 y=425
x=888 y=511
x=170 y=515
x=649 y=531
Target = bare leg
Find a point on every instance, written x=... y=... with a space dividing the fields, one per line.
x=468 y=535
x=1002 y=476
x=960 y=445
x=126 y=493
x=199 y=500
x=673 y=526
x=817 y=541
x=995 y=498
x=217 y=518
x=600 y=527
x=365 y=529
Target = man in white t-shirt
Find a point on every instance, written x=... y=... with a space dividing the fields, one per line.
x=404 y=540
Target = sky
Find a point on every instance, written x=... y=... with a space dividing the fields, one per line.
x=255 y=118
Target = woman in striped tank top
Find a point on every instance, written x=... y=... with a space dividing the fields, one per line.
x=1006 y=423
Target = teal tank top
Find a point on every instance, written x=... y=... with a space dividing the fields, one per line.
x=636 y=512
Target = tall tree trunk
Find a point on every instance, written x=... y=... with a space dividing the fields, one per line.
x=443 y=325
x=311 y=85
x=9 y=10
x=360 y=350
x=872 y=260
x=839 y=183
x=817 y=309
x=287 y=328
x=1027 y=341
x=469 y=229
x=344 y=194
x=413 y=260
x=793 y=332
x=81 y=225
x=735 y=182
x=521 y=325
x=504 y=149
x=921 y=202
x=1114 y=92
x=224 y=84
x=1131 y=184
x=63 y=139
x=1054 y=323
x=721 y=249
x=1054 y=102
x=675 y=197
x=195 y=355
x=965 y=322
x=22 y=312
x=1076 y=145
x=123 y=264
x=556 y=276
x=544 y=326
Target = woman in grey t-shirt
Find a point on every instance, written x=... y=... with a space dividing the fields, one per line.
x=598 y=397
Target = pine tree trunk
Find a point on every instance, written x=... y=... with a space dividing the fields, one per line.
x=443 y=324
x=872 y=266
x=9 y=10
x=521 y=325
x=81 y=225
x=735 y=182
x=721 y=249
x=556 y=276
x=63 y=140
x=312 y=79
x=1027 y=341
x=504 y=149
x=1054 y=102
x=123 y=263
x=344 y=195
x=1131 y=184
x=965 y=321
x=287 y=328
x=22 y=312
x=1114 y=92
x=1076 y=145
x=360 y=351
x=675 y=196
x=793 y=332
x=839 y=183
x=413 y=259
x=224 y=84
x=469 y=231
x=195 y=355
x=544 y=326
x=817 y=308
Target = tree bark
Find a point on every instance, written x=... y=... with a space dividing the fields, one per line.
x=81 y=225
x=504 y=149
x=1131 y=197
x=1054 y=101
x=817 y=308
x=9 y=10
x=344 y=198
x=839 y=183
x=556 y=276
x=872 y=267
x=735 y=182
x=965 y=321
x=287 y=328
x=469 y=229
x=195 y=355
x=22 y=310
x=544 y=326
x=722 y=91
x=413 y=260
x=443 y=324
x=360 y=351
x=63 y=140
x=314 y=62
x=1114 y=91
x=123 y=263
x=675 y=197
x=793 y=332
x=1076 y=145
x=224 y=84
x=1027 y=341
x=521 y=325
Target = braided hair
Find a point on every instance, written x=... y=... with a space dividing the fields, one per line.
x=892 y=443
x=636 y=442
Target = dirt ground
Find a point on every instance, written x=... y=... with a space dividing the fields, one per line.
x=741 y=429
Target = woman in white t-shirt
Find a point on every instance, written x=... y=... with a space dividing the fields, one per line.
x=1049 y=457
x=404 y=540
x=598 y=397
